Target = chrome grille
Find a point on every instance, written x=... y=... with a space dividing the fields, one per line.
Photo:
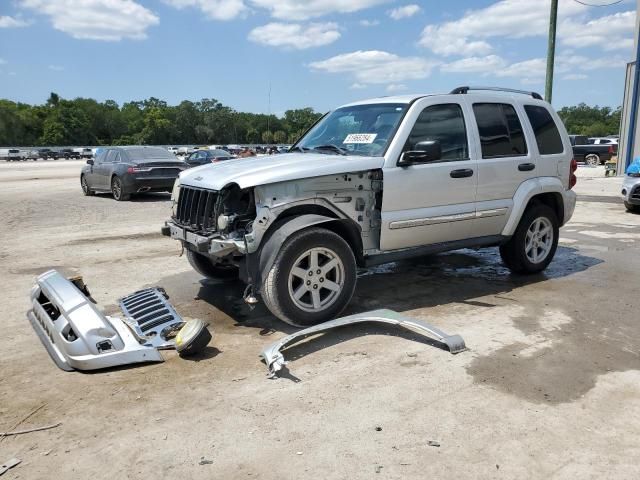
x=197 y=208
x=152 y=315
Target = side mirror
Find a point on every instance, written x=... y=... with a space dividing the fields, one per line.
x=90 y=161
x=423 y=152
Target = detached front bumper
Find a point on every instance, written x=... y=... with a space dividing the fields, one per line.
x=214 y=245
x=76 y=334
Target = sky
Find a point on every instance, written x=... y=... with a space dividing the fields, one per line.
x=274 y=55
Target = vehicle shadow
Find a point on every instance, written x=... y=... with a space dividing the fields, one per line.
x=456 y=277
x=139 y=197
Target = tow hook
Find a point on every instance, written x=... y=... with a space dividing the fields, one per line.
x=249 y=297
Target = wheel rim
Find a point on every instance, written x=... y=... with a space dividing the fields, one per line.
x=85 y=187
x=539 y=240
x=316 y=279
x=116 y=188
x=593 y=160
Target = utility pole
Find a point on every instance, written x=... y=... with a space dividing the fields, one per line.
x=551 y=51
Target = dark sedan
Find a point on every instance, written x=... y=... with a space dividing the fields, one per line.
x=127 y=170
x=202 y=157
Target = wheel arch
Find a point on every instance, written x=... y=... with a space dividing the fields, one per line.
x=284 y=227
x=545 y=190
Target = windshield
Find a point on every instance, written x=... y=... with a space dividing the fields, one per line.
x=357 y=130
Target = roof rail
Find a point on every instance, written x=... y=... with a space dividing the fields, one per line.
x=463 y=90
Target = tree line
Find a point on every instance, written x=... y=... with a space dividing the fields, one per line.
x=591 y=121
x=84 y=121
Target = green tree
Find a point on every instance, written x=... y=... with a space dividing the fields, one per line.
x=267 y=137
x=279 y=136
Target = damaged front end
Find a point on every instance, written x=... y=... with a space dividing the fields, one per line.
x=78 y=336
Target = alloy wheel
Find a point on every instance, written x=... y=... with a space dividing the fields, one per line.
x=539 y=240
x=316 y=279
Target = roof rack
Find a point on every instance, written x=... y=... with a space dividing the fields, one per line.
x=463 y=90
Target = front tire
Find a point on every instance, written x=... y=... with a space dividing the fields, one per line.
x=632 y=208
x=85 y=187
x=534 y=243
x=312 y=278
x=593 y=160
x=117 y=190
x=207 y=268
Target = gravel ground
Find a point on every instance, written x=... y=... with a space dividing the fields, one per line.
x=549 y=388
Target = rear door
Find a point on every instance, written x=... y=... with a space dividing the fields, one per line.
x=434 y=202
x=504 y=161
x=103 y=172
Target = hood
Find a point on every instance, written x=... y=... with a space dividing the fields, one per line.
x=254 y=171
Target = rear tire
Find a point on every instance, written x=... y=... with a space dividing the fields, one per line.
x=534 y=243
x=593 y=160
x=117 y=189
x=207 y=268
x=312 y=278
x=632 y=208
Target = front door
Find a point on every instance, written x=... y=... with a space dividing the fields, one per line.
x=431 y=202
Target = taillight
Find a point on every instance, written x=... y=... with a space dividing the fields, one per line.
x=572 y=174
x=138 y=169
x=611 y=152
x=215 y=160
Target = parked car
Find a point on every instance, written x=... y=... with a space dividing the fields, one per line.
x=33 y=155
x=378 y=181
x=47 y=153
x=605 y=141
x=11 y=154
x=203 y=157
x=589 y=153
x=83 y=152
x=68 y=153
x=631 y=187
x=173 y=150
x=127 y=170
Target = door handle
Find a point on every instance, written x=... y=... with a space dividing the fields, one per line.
x=462 y=173
x=526 y=167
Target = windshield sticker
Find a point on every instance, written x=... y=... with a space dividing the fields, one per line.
x=360 y=138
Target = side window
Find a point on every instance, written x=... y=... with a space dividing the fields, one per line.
x=117 y=158
x=501 y=133
x=111 y=156
x=100 y=158
x=546 y=131
x=444 y=123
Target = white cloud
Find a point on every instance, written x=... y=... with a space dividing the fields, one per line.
x=575 y=76
x=572 y=63
x=369 y=23
x=612 y=32
x=486 y=64
x=533 y=68
x=376 y=67
x=293 y=35
x=213 y=9
x=470 y=35
x=56 y=68
x=357 y=86
x=404 y=12
x=110 y=20
x=396 y=87
x=11 y=22
x=3 y=61
x=306 y=9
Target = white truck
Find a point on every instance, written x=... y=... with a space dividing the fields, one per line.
x=377 y=181
x=12 y=154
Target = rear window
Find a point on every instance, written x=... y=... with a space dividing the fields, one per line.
x=149 y=153
x=545 y=129
x=14 y=151
x=501 y=133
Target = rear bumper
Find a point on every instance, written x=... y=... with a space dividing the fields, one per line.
x=569 y=201
x=134 y=184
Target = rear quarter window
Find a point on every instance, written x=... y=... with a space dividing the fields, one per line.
x=545 y=129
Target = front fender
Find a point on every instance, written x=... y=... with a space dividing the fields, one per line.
x=526 y=191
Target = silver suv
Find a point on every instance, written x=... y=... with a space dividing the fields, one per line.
x=377 y=181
